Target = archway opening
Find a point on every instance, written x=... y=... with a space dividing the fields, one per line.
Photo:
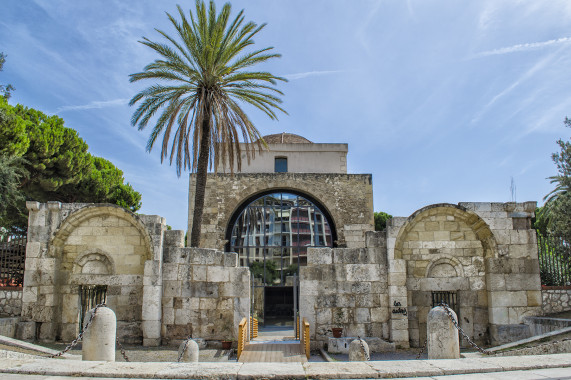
x=271 y=233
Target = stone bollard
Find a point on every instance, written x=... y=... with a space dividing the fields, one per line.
x=442 y=336
x=358 y=353
x=190 y=355
x=99 y=338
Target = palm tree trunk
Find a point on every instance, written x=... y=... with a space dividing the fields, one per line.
x=201 y=175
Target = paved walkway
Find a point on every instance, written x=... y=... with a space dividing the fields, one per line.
x=536 y=374
x=484 y=367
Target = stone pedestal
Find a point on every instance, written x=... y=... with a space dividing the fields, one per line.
x=442 y=335
x=99 y=338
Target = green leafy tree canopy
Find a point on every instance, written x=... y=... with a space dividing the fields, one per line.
x=381 y=219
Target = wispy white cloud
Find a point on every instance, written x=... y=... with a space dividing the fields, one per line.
x=524 y=47
x=311 y=74
x=528 y=74
x=97 y=104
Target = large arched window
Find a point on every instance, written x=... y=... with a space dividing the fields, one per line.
x=271 y=234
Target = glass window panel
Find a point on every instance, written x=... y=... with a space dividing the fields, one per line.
x=276 y=229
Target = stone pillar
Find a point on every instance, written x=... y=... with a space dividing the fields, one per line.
x=443 y=341
x=358 y=351
x=99 y=338
x=191 y=351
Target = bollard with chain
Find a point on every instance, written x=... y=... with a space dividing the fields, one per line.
x=461 y=331
x=447 y=310
x=80 y=336
x=365 y=352
x=188 y=351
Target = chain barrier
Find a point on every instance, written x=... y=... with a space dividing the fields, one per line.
x=464 y=335
x=363 y=348
x=80 y=336
x=123 y=353
x=422 y=349
x=460 y=330
x=188 y=338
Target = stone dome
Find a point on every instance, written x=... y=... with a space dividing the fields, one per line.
x=286 y=138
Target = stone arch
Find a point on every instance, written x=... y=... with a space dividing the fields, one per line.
x=444 y=248
x=76 y=218
x=447 y=260
x=239 y=206
x=477 y=224
x=94 y=261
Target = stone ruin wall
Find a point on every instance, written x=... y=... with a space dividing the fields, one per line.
x=347 y=197
x=493 y=252
x=205 y=293
x=73 y=245
x=556 y=300
x=347 y=288
x=10 y=303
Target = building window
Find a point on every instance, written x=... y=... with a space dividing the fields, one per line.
x=281 y=165
x=272 y=233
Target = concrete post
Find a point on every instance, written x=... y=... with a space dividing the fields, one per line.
x=190 y=355
x=99 y=338
x=442 y=336
x=358 y=353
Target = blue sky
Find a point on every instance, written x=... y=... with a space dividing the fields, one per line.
x=442 y=101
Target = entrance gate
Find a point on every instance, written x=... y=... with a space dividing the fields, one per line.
x=89 y=297
x=271 y=233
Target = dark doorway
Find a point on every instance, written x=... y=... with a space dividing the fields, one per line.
x=278 y=304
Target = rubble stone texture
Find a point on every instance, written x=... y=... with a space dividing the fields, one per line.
x=556 y=300
x=10 y=303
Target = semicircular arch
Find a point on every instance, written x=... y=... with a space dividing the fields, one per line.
x=480 y=228
x=78 y=217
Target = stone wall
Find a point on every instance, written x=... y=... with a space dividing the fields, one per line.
x=75 y=245
x=205 y=294
x=348 y=198
x=10 y=303
x=556 y=300
x=346 y=288
x=486 y=253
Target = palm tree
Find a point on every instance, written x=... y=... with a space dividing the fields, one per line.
x=205 y=74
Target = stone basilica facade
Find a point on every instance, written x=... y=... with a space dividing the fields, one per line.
x=292 y=234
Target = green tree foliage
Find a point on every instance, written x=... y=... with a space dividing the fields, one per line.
x=557 y=209
x=46 y=161
x=5 y=89
x=201 y=75
x=11 y=197
x=381 y=219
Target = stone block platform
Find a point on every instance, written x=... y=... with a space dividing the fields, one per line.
x=313 y=370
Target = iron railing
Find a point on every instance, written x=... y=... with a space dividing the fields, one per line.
x=12 y=260
x=89 y=297
x=554 y=260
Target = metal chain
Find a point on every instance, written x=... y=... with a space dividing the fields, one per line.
x=422 y=349
x=464 y=335
x=122 y=350
x=80 y=336
x=363 y=348
x=188 y=338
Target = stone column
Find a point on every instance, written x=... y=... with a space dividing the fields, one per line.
x=443 y=341
x=99 y=338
